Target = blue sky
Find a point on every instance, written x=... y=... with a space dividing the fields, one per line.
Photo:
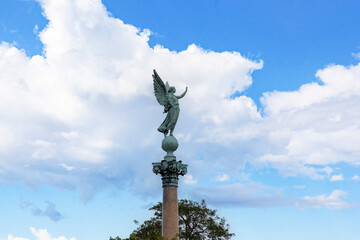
x=270 y=126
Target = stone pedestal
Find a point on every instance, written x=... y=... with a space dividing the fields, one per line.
x=170 y=169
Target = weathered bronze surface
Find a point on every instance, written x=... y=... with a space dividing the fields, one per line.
x=170 y=171
x=165 y=95
x=169 y=167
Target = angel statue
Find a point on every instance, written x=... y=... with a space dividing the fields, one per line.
x=165 y=96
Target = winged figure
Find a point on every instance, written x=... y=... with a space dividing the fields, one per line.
x=165 y=95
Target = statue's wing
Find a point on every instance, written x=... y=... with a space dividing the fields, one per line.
x=167 y=86
x=159 y=89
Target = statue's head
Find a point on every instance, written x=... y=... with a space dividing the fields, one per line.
x=172 y=90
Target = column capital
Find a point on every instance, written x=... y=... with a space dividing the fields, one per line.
x=170 y=171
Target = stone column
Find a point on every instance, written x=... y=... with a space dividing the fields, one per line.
x=170 y=169
x=170 y=217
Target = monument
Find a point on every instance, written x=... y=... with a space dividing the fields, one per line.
x=169 y=168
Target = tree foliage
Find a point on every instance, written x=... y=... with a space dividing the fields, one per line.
x=196 y=222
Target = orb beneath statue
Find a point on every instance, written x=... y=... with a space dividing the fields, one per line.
x=169 y=145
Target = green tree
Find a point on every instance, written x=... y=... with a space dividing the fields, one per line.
x=196 y=222
x=133 y=237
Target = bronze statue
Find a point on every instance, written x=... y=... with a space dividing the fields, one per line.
x=169 y=168
x=165 y=95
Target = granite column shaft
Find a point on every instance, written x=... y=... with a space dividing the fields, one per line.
x=170 y=213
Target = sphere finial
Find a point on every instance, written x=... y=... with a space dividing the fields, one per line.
x=169 y=145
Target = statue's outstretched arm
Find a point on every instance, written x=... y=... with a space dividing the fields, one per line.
x=182 y=95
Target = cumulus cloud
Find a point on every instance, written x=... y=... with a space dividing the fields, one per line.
x=338 y=177
x=221 y=177
x=332 y=201
x=83 y=115
x=86 y=107
x=355 y=177
x=41 y=234
x=189 y=180
x=316 y=125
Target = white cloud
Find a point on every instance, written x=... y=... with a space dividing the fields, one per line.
x=10 y=237
x=316 y=125
x=68 y=168
x=355 y=177
x=41 y=234
x=356 y=55
x=36 y=29
x=221 y=177
x=338 y=177
x=189 y=180
x=87 y=106
x=333 y=201
x=90 y=98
